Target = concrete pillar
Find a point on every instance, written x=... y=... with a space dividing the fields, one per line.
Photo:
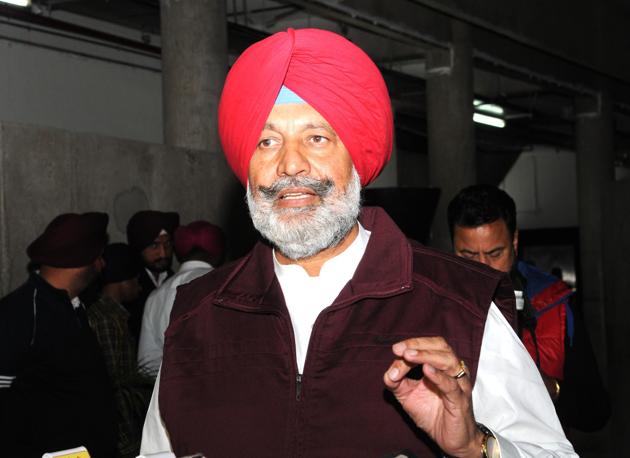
x=194 y=65
x=595 y=171
x=617 y=273
x=451 y=134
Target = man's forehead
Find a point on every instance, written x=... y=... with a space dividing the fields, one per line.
x=162 y=236
x=303 y=116
x=496 y=230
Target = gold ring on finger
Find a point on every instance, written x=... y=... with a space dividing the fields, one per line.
x=463 y=370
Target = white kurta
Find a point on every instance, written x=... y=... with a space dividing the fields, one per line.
x=509 y=396
x=157 y=313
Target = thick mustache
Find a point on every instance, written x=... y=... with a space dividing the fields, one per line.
x=319 y=187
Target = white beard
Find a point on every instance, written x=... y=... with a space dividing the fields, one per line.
x=300 y=233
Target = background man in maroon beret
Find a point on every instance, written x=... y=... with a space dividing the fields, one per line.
x=150 y=232
x=55 y=393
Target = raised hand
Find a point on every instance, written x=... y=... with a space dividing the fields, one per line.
x=440 y=402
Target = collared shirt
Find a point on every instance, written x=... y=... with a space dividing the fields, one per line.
x=109 y=321
x=307 y=296
x=508 y=396
x=161 y=278
x=157 y=312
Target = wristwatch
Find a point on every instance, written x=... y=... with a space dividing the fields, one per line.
x=489 y=446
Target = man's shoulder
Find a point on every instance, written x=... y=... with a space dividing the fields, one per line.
x=463 y=280
x=16 y=318
x=436 y=264
x=186 y=276
x=15 y=301
x=105 y=308
x=190 y=295
x=542 y=287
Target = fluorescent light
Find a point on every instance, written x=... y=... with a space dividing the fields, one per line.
x=488 y=120
x=488 y=107
x=23 y=3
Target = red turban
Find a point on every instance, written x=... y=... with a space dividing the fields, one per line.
x=331 y=74
x=201 y=235
x=70 y=240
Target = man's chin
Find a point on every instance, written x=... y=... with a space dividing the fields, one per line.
x=295 y=215
x=158 y=268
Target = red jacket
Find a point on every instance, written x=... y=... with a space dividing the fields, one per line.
x=229 y=383
x=549 y=297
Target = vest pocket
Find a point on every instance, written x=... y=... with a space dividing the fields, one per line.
x=229 y=356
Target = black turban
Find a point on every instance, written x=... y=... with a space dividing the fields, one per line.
x=145 y=226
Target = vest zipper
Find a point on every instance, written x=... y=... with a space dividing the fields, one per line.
x=298 y=387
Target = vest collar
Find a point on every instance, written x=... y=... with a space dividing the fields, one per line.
x=384 y=270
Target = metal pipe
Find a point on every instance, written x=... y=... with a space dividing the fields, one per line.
x=56 y=24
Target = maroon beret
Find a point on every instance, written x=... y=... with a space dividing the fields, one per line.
x=202 y=235
x=145 y=226
x=70 y=240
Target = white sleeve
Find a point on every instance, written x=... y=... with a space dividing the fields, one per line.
x=510 y=398
x=154 y=436
x=151 y=342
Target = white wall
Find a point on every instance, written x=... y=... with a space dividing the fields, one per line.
x=544 y=185
x=53 y=88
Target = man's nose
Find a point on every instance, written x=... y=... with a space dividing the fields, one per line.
x=162 y=250
x=293 y=160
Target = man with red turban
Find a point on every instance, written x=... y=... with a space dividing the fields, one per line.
x=339 y=336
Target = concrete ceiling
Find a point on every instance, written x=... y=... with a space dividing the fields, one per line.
x=531 y=60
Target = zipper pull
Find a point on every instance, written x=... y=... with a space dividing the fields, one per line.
x=298 y=387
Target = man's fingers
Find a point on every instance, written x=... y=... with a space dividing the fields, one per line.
x=443 y=360
x=397 y=371
x=440 y=366
x=420 y=343
x=452 y=388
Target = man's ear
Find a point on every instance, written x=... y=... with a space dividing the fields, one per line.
x=515 y=241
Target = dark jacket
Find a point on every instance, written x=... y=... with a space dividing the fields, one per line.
x=229 y=383
x=61 y=396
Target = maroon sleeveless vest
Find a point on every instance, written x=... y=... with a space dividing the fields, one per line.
x=229 y=384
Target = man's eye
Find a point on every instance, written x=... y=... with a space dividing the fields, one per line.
x=267 y=143
x=319 y=139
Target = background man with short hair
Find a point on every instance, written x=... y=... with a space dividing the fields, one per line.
x=482 y=220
